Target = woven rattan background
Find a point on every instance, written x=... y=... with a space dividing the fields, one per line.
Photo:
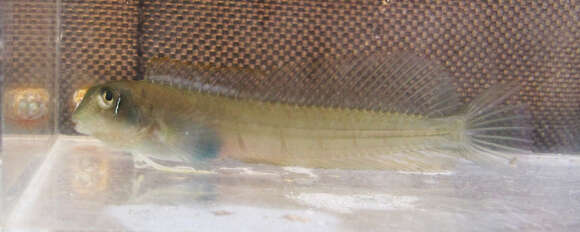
x=478 y=42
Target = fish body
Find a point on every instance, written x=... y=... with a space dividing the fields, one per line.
x=179 y=124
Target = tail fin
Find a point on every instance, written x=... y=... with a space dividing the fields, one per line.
x=495 y=132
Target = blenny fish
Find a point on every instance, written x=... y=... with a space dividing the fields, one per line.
x=378 y=111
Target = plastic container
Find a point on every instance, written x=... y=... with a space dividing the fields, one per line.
x=56 y=180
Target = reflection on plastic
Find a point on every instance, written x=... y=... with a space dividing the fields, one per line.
x=27 y=107
x=90 y=174
x=78 y=97
x=249 y=196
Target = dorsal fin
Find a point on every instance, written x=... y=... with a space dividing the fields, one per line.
x=205 y=78
x=398 y=82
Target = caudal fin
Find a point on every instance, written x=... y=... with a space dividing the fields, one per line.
x=497 y=132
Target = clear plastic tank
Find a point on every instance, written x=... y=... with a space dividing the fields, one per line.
x=54 y=179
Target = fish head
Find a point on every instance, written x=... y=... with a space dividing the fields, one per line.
x=108 y=111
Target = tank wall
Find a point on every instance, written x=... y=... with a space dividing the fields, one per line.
x=28 y=45
x=30 y=52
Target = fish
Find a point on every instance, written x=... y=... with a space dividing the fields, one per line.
x=396 y=111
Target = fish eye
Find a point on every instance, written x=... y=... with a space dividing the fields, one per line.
x=106 y=98
x=108 y=95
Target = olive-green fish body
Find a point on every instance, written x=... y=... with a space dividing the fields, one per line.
x=178 y=124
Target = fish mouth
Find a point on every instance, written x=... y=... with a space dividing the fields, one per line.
x=80 y=130
x=78 y=127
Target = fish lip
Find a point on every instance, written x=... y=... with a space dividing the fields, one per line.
x=79 y=128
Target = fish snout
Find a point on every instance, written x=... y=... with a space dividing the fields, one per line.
x=77 y=125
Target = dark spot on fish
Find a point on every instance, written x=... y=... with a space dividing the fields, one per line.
x=202 y=142
x=126 y=109
x=209 y=145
